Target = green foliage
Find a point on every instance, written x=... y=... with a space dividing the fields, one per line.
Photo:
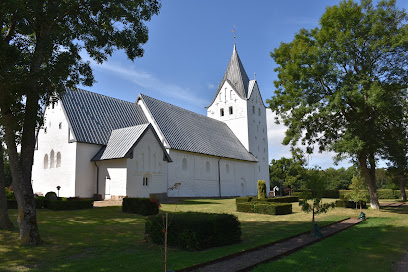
x=142 y=206
x=261 y=189
x=51 y=195
x=303 y=194
x=9 y=194
x=289 y=171
x=271 y=208
x=244 y=199
x=195 y=231
x=284 y=199
x=350 y=204
x=65 y=204
x=331 y=194
x=358 y=192
x=40 y=203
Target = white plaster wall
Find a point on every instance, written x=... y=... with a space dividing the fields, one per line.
x=197 y=182
x=115 y=173
x=258 y=138
x=237 y=121
x=148 y=159
x=55 y=138
x=85 y=174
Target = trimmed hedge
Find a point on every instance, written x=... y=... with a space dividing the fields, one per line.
x=195 y=231
x=244 y=199
x=64 y=204
x=382 y=194
x=284 y=199
x=265 y=208
x=142 y=206
x=301 y=195
x=350 y=204
x=331 y=194
x=39 y=203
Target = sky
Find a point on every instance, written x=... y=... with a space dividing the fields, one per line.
x=190 y=44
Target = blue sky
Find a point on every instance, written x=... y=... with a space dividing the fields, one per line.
x=190 y=44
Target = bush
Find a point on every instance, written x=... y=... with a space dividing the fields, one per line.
x=350 y=204
x=51 y=195
x=265 y=208
x=195 y=231
x=64 y=204
x=331 y=194
x=9 y=194
x=142 y=206
x=386 y=194
x=243 y=199
x=284 y=199
x=39 y=203
x=261 y=189
x=302 y=195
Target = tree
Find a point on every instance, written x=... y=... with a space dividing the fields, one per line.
x=289 y=171
x=40 y=46
x=340 y=83
x=312 y=202
x=358 y=191
x=5 y=222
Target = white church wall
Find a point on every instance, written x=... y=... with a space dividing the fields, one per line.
x=85 y=174
x=112 y=178
x=258 y=139
x=198 y=175
x=53 y=136
x=236 y=121
x=147 y=162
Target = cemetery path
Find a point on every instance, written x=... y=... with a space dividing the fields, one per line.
x=245 y=261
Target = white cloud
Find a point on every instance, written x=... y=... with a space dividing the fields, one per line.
x=211 y=86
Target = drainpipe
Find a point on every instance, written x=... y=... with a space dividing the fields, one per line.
x=219 y=177
x=97 y=178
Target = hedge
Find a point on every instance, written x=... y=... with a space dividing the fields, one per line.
x=265 y=208
x=39 y=203
x=244 y=199
x=64 y=204
x=301 y=195
x=382 y=194
x=284 y=199
x=331 y=194
x=142 y=206
x=195 y=231
x=350 y=204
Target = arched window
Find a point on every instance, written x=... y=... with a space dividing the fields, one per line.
x=230 y=110
x=59 y=159
x=52 y=159
x=207 y=167
x=222 y=112
x=148 y=158
x=60 y=125
x=154 y=161
x=184 y=164
x=46 y=161
x=227 y=168
x=259 y=111
x=143 y=162
x=220 y=95
x=146 y=180
x=231 y=94
x=253 y=109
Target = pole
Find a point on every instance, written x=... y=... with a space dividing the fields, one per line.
x=165 y=243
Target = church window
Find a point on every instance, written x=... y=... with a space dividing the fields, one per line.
x=225 y=95
x=59 y=159
x=143 y=162
x=259 y=111
x=154 y=161
x=230 y=110
x=253 y=109
x=231 y=94
x=227 y=168
x=222 y=112
x=220 y=95
x=146 y=180
x=184 y=164
x=46 y=161
x=148 y=157
x=207 y=167
x=45 y=130
x=60 y=125
x=52 y=159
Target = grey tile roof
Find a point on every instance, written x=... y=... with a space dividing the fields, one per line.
x=93 y=116
x=189 y=131
x=122 y=141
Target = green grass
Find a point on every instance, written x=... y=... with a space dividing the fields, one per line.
x=105 y=239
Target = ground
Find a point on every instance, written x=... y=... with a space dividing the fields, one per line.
x=105 y=239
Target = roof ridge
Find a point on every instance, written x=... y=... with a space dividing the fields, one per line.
x=110 y=97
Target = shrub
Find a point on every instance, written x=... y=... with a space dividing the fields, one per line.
x=9 y=194
x=195 y=231
x=261 y=189
x=243 y=199
x=142 y=206
x=302 y=195
x=284 y=199
x=51 y=195
x=39 y=203
x=350 y=204
x=265 y=208
x=386 y=194
x=331 y=194
x=64 y=204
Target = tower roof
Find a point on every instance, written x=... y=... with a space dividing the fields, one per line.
x=236 y=75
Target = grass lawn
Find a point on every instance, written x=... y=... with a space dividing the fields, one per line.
x=105 y=239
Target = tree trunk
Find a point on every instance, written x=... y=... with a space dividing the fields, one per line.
x=401 y=179
x=21 y=167
x=313 y=220
x=5 y=222
x=369 y=176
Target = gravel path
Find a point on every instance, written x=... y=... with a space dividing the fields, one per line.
x=247 y=260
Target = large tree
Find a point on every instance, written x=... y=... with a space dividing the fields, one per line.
x=40 y=46
x=338 y=84
x=5 y=222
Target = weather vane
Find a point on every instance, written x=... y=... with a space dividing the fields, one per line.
x=233 y=31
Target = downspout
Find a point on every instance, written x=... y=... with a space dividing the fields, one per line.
x=219 y=177
x=97 y=179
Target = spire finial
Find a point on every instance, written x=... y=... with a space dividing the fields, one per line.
x=255 y=76
x=233 y=31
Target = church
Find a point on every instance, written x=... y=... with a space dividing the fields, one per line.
x=95 y=145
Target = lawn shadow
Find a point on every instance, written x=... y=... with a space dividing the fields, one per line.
x=397 y=210
x=191 y=202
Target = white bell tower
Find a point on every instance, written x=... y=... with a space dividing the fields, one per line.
x=238 y=103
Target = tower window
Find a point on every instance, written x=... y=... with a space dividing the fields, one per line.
x=259 y=111
x=59 y=159
x=222 y=112
x=230 y=110
x=184 y=164
x=231 y=94
x=46 y=161
x=60 y=125
x=253 y=109
x=52 y=159
x=146 y=180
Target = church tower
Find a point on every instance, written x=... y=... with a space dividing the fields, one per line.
x=238 y=103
